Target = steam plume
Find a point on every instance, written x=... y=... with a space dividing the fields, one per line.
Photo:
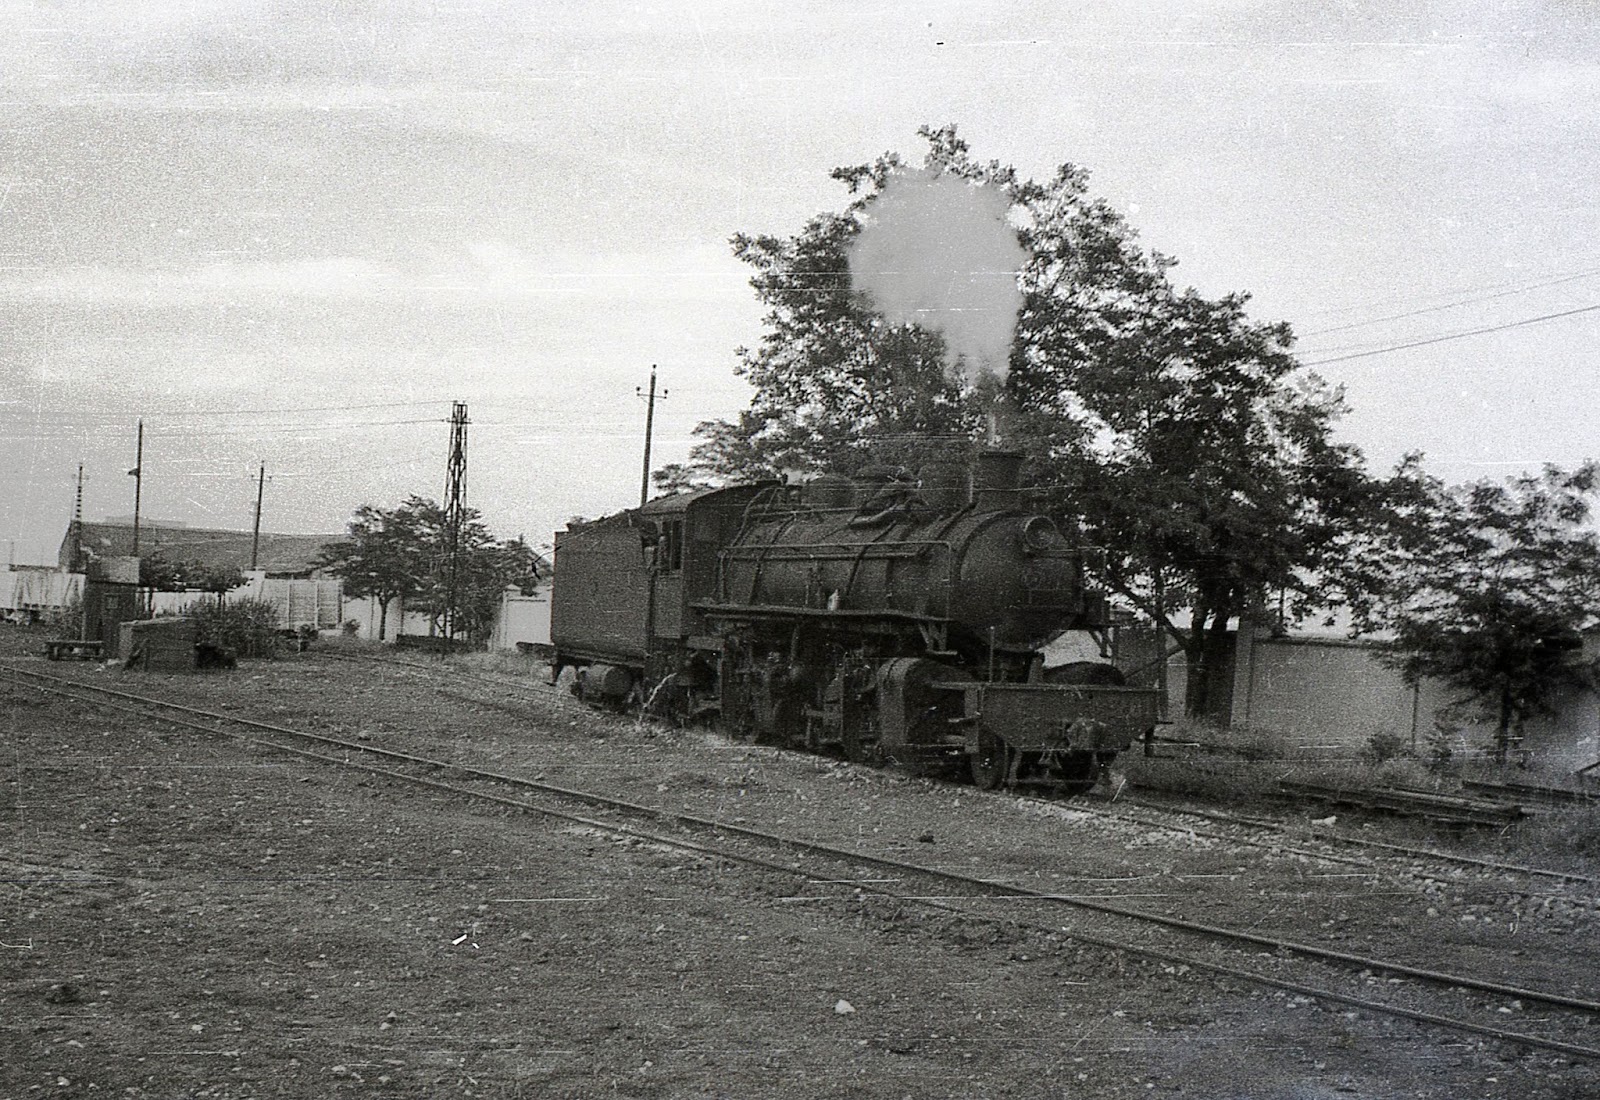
x=936 y=251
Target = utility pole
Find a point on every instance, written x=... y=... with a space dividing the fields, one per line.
x=649 y=427
x=455 y=486
x=137 y=473
x=255 y=533
x=75 y=543
x=75 y=562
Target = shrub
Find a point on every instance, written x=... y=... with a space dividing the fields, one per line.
x=1406 y=773
x=248 y=627
x=1441 y=746
x=1250 y=743
x=68 y=618
x=1564 y=838
x=1383 y=747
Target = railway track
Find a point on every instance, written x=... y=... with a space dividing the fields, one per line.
x=1281 y=839
x=1345 y=840
x=1544 y=796
x=1280 y=836
x=1441 y=809
x=1275 y=837
x=1225 y=953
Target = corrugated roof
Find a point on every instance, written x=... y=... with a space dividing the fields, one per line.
x=279 y=554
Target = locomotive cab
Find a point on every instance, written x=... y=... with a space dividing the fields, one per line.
x=621 y=610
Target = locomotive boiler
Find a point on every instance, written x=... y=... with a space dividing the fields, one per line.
x=894 y=615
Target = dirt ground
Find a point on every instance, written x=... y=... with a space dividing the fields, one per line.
x=184 y=917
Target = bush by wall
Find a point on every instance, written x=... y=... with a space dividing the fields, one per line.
x=248 y=627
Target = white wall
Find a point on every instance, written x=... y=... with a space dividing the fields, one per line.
x=522 y=619
x=1336 y=696
x=298 y=601
x=363 y=610
x=38 y=590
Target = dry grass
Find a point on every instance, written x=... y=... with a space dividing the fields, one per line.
x=503 y=663
x=1566 y=839
x=1241 y=768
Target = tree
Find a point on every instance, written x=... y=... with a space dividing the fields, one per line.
x=1180 y=435
x=1492 y=591
x=218 y=579
x=831 y=378
x=1211 y=477
x=485 y=569
x=401 y=554
x=156 y=572
x=385 y=556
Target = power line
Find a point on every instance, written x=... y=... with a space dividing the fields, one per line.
x=1454 y=336
x=1510 y=286
x=178 y=424
x=264 y=412
x=1452 y=305
x=298 y=429
x=104 y=419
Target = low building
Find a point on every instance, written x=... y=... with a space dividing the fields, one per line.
x=286 y=574
x=275 y=556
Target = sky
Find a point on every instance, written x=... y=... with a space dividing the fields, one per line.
x=292 y=233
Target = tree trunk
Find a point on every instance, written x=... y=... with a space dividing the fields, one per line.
x=1196 y=688
x=383 y=617
x=1502 y=737
x=1206 y=654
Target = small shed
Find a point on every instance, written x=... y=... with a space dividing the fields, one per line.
x=107 y=606
x=158 y=645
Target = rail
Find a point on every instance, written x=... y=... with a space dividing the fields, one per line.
x=1447 y=809
x=979 y=888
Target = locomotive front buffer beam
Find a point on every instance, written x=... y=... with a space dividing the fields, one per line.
x=1032 y=718
x=1060 y=736
x=1037 y=718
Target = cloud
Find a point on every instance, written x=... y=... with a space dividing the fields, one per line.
x=477 y=271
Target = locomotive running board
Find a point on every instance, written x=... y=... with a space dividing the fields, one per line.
x=777 y=611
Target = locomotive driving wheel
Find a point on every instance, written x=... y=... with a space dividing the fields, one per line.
x=991 y=763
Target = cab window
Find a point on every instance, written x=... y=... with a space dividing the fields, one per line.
x=672 y=559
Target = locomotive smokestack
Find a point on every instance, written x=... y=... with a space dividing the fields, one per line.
x=997 y=480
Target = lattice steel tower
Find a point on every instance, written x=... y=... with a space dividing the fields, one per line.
x=455 y=485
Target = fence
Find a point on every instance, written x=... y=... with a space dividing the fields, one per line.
x=298 y=602
x=28 y=594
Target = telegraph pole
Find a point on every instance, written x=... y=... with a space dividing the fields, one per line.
x=649 y=426
x=137 y=473
x=255 y=533
x=455 y=486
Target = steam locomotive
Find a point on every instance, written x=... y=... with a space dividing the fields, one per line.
x=889 y=616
